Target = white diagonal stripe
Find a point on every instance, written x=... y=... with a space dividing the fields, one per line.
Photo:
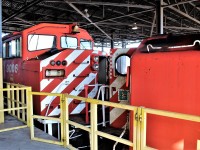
x=118 y=83
x=46 y=61
x=65 y=83
x=44 y=83
x=73 y=56
x=87 y=80
x=55 y=112
x=80 y=107
x=116 y=112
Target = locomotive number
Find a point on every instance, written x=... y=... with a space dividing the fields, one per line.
x=12 y=68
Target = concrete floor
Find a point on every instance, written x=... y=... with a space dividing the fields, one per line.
x=20 y=139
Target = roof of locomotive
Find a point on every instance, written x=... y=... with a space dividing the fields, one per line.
x=62 y=28
x=170 y=42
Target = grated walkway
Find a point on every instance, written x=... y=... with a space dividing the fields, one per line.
x=20 y=139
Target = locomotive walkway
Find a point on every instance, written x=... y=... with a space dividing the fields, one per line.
x=20 y=139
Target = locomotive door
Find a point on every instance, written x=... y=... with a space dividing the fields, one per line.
x=119 y=93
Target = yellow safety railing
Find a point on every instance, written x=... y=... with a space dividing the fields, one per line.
x=94 y=133
x=16 y=102
x=65 y=122
x=139 y=119
x=15 y=97
x=60 y=119
x=143 y=121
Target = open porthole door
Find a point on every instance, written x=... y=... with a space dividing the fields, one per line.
x=119 y=93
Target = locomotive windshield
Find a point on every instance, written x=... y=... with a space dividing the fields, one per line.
x=39 y=42
x=69 y=42
x=85 y=44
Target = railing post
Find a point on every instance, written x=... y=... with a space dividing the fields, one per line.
x=138 y=128
x=63 y=120
x=12 y=99
x=30 y=115
x=134 y=126
x=23 y=102
x=94 y=137
x=143 y=121
x=66 y=118
x=18 y=105
x=29 y=104
x=8 y=97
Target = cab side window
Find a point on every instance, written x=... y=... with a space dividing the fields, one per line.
x=12 y=48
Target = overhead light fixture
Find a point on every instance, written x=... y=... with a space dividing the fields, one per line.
x=86 y=13
x=135 y=27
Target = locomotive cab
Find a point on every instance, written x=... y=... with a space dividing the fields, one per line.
x=54 y=58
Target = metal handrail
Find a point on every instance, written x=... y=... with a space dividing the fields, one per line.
x=16 y=104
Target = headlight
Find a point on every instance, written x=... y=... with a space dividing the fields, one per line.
x=55 y=73
x=96 y=58
x=95 y=67
x=64 y=62
x=58 y=63
x=52 y=62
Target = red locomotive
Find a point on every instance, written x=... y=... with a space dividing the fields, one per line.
x=165 y=76
x=164 y=73
x=53 y=58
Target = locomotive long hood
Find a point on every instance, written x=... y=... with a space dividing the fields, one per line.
x=167 y=43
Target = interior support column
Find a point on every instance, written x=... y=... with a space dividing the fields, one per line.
x=159 y=16
x=1 y=69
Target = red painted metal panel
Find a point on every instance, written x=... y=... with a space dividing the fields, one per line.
x=168 y=81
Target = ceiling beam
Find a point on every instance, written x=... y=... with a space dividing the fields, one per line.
x=128 y=15
x=32 y=3
x=194 y=6
x=179 y=3
x=149 y=26
x=18 y=18
x=141 y=19
x=28 y=22
x=106 y=4
x=75 y=8
x=184 y=14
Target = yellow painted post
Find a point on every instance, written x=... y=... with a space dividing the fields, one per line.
x=12 y=99
x=8 y=97
x=23 y=102
x=30 y=107
x=143 y=132
x=17 y=98
x=138 y=136
x=134 y=119
x=93 y=118
x=62 y=121
x=1 y=93
x=65 y=119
